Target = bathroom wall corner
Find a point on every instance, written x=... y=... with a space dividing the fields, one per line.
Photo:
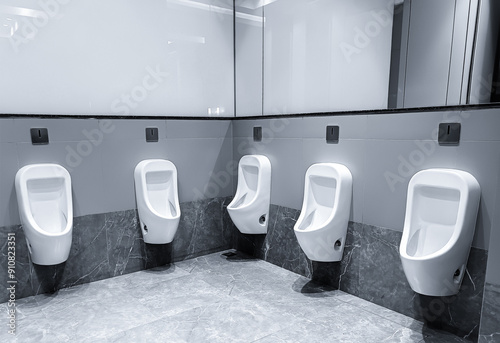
x=490 y=331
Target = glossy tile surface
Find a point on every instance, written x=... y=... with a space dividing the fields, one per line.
x=371 y=269
x=111 y=244
x=213 y=298
x=490 y=321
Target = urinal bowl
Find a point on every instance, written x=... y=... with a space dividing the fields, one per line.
x=325 y=244
x=249 y=209
x=321 y=228
x=439 y=227
x=439 y=275
x=157 y=200
x=47 y=250
x=46 y=211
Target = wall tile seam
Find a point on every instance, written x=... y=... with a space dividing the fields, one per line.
x=378 y=139
x=111 y=140
x=209 y=200
x=352 y=222
x=341 y=139
x=309 y=138
x=195 y=138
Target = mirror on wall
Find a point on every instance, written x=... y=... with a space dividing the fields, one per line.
x=308 y=56
x=315 y=56
x=117 y=57
x=432 y=53
x=260 y=57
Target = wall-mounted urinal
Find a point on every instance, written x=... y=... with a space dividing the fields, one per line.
x=322 y=225
x=249 y=209
x=440 y=220
x=46 y=211
x=157 y=200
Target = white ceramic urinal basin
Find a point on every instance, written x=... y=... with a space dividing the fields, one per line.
x=46 y=211
x=249 y=209
x=440 y=220
x=157 y=200
x=322 y=225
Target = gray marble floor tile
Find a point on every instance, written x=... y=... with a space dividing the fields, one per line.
x=218 y=262
x=215 y=298
x=134 y=281
x=227 y=321
x=177 y=295
x=154 y=332
x=346 y=323
x=95 y=320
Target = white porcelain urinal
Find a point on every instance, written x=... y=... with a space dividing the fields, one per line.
x=46 y=211
x=157 y=200
x=322 y=225
x=440 y=220
x=249 y=209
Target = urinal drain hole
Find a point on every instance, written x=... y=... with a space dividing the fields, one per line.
x=457 y=276
x=262 y=220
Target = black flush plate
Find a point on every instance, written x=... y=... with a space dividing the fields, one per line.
x=39 y=135
x=257 y=133
x=332 y=134
x=449 y=133
x=151 y=134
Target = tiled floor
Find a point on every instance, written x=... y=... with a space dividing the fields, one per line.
x=213 y=298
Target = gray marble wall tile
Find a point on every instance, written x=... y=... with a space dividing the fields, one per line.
x=371 y=269
x=22 y=267
x=228 y=228
x=125 y=246
x=381 y=280
x=88 y=258
x=381 y=277
x=490 y=319
x=344 y=275
x=279 y=246
x=201 y=229
x=111 y=244
x=465 y=311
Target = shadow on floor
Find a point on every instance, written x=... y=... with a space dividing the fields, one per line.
x=312 y=288
x=237 y=256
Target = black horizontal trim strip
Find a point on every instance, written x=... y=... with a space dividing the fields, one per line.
x=291 y=115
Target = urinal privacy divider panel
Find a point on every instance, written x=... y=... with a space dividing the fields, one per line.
x=321 y=228
x=46 y=211
x=249 y=209
x=440 y=220
x=157 y=200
